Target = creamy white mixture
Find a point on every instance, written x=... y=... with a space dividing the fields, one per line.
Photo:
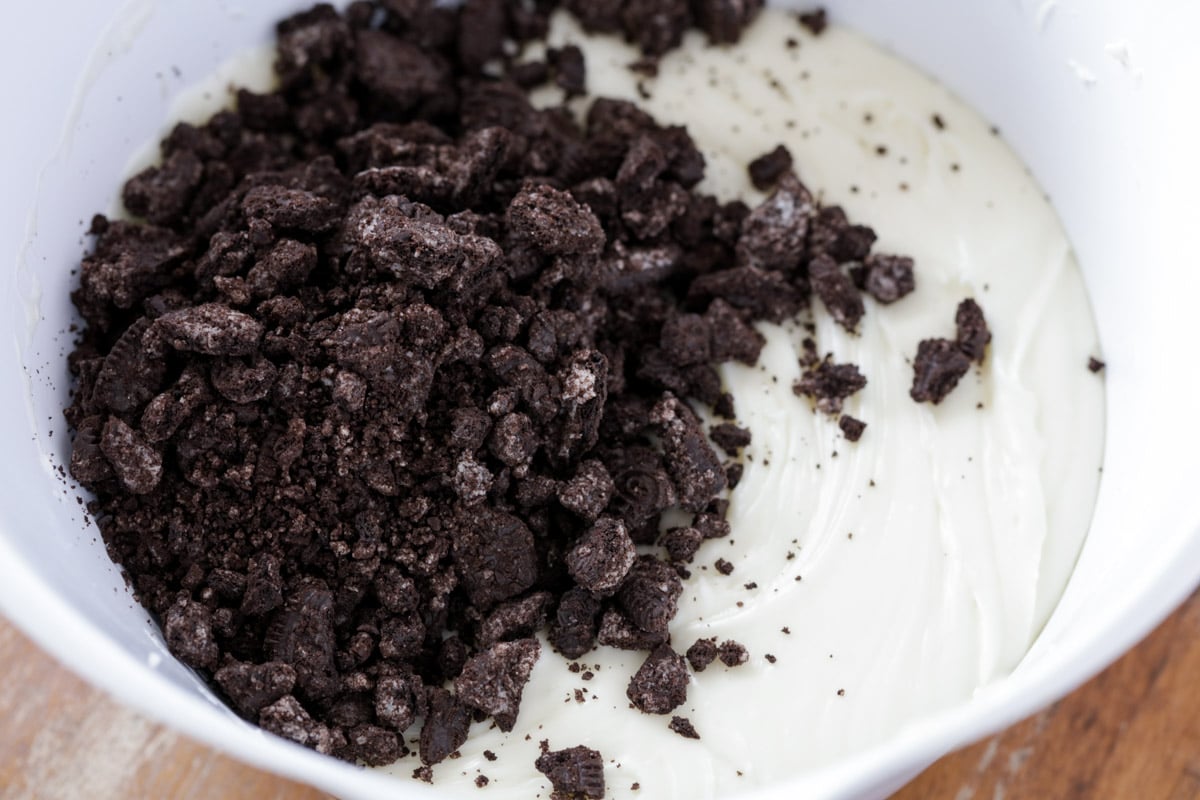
x=907 y=569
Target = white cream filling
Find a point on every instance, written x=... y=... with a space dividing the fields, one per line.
x=926 y=556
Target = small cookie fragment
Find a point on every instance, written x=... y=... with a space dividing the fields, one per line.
x=702 y=653
x=767 y=168
x=188 y=629
x=852 y=428
x=554 y=222
x=493 y=680
x=887 y=278
x=729 y=437
x=288 y=719
x=830 y=384
x=939 y=365
x=1094 y=364
x=136 y=462
x=650 y=594
x=732 y=654
x=815 y=21
x=251 y=687
x=694 y=467
x=576 y=773
x=447 y=722
x=602 y=556
x=660 y=684
x=723 y=20
x=683 y=726
x=836 y=290
x=681 y=543
x=973 y=334
x=589 y=491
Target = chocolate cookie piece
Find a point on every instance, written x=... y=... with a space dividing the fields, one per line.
x=570 y=71
x=576 y=773
x=681 y=543
x=395 y=701
x=573 y=632
x=137 y=464
x=189 y=633
x=816 y=21
x=773 y=235
x=729 y=437
x=694 y=467
x=660 y=684
x=939 y=365
x=302 y=636
x=288 y=719
x=829 y=384
x=852 y=428
x=494 y=555
x=769 y=167
x=617 y=630
x=511 y=619
x=973 y=334
x=702 y=653
x=602 y=556
x=732 y=654
x=493 y=680
x=447 y=724
x=650 y=593
x=723 y=20
x=888 y=278
x=209 y=329
x=251 y=687
x=162 y=194
x=836 y=290
x=553 y=222
x=589 y=491
x=683 y=726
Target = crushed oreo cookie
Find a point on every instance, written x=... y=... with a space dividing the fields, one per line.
x=576 y=773
x=829 y=384
x=683 y=726
x=852 y=428
x=769 y=167
x=398 y=371
x=940 y=363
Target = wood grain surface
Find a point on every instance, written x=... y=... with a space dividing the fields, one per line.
x=1133 y=732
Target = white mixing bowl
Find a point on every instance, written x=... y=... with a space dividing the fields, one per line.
x=1098 y=96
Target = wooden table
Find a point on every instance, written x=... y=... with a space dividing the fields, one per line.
x=1133 y=732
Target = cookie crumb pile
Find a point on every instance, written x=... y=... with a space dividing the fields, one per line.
x=396 y=372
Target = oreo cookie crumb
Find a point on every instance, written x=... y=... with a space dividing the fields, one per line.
x=660 y=684
x=702 y=653
x=683 y=726
x=814 y=21
x=724 y=567
x=732 y=654
x=829 y=384
x=729 y=437
x=767 y=168
x=852 y=428
x=576 y=773
x=939 y=365
x=973 y=334
x=1094 y=364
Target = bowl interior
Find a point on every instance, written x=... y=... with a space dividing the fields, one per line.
x=1085 y=91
